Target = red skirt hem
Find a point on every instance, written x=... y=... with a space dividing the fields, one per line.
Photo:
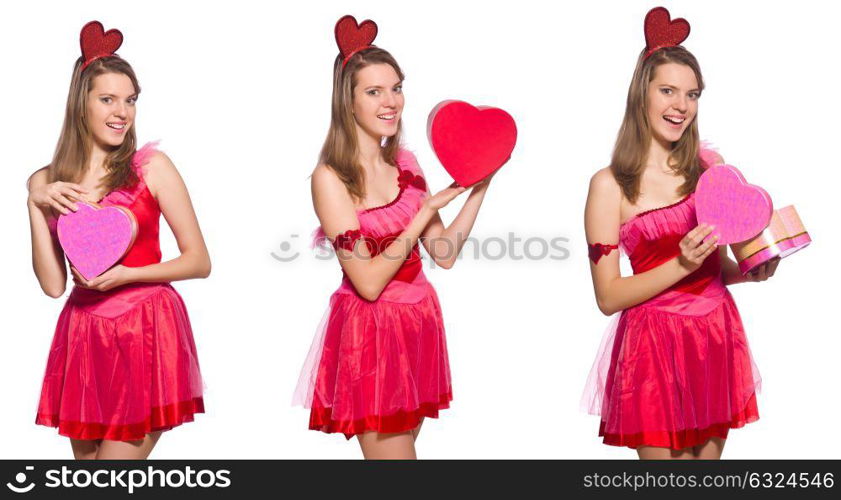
x=683 y=438
x=161 y=418
x=401 y=421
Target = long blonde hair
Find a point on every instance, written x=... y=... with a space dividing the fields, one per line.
x=632 y=143
x=341 y=149
x=72 y=152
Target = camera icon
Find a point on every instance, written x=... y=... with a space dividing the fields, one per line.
x=20 y=479
x=284 y=254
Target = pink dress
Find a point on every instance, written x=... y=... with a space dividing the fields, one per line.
x=123 y=362
x=380 y=365
x=675 y=370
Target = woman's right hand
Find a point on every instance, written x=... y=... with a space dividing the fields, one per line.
x=694 y=250
x=440 y=199
x=58 y=195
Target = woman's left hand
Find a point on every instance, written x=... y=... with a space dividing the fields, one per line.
x=764 y=271
x=112 y=278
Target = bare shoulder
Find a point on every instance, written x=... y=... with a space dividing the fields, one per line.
x=604 y=185
x=323 y=173
x=38 y=177
x=159 y=163
x=332 y=203
x=603 y=208
x=160 y=174
x=159 y=169
x=326 y=182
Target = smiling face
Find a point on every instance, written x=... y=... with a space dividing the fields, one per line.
x=672 y=101
x=378 y=100
x=110 y=109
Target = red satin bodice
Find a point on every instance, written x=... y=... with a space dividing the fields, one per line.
x=654 y=250
x=139 y=200
x=653 y=237
x=146 y=248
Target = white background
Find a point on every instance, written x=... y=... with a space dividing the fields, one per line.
x=239 y=93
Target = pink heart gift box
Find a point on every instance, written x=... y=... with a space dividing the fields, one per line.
x=783 y=236
x=744 y=218
x=738 y=210
x=94 y=238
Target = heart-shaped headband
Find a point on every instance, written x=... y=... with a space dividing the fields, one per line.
x=661 y=31
x=96 y=42
x=351 y=37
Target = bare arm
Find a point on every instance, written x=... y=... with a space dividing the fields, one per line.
x=168 y=188
x=601 y=223
x=444 y=243
x=337 y=214
x=47 y=255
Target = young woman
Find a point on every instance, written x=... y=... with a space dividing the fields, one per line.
x=379 y=364
x=675 y=372
x=123 y=365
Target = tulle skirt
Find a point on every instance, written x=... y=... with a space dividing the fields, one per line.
x=376 y=366
x=672 y=380
x=122 y=364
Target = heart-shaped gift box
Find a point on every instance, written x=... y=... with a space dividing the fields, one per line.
x=471 y=142
x=94 y=238
x=783 y=236
x=738 y=210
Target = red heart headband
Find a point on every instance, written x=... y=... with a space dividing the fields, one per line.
x=351 y=37
x=661 y=31
x=96 y=42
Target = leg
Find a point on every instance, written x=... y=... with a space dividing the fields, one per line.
x=381 y=446
x=416 y=430
x=658 y=453
x=128 y=450
x=85 y=449
x=711 y=450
